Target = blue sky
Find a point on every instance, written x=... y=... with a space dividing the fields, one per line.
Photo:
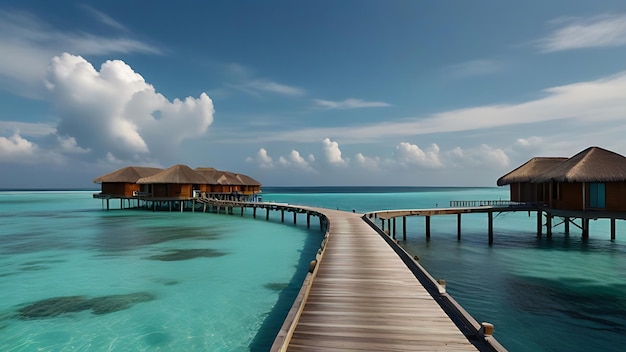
x=291 y=93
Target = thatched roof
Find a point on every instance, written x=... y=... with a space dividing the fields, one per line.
x=210 y=174
x=593 y=164
x=247 y=180
x=129 y=174
x=529 y=170
x=180 y=174
x=217 y=177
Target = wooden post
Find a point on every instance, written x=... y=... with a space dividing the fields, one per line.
x=242 y=209
x=389 y=226
x=294 y=216
x=282 y=215
x=458 y=226
x=181 y=206
x=539 y=224
x=585 y=233
x=193 y=206
x=121 y=203
x=267 y=213
x=612 y=229
x=382 y=221
x=404 y=228
x=254 y=212
x=107 y=203
x=548 y=225
x=566 y=225
x=427 y=226
x=490 y=227
x=204 y=208
x=308 y=220
x=394 y=228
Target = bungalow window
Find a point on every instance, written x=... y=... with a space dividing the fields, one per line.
x=597 y=195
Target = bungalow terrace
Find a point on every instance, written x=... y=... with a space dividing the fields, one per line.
x=589 y=185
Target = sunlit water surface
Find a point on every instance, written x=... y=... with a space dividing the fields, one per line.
x=138 y=280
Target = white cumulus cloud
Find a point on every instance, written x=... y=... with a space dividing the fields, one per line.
x=116 y=111
x=333 y=153
x=16 y=147
x=408 y=154
x=265 y=161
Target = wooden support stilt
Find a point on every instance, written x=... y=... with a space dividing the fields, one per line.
x=490 y=227
x=181 y=205
x=458 y=226
x=254 y=212
x=548 y=225
x=382 y=221
x=108 y=204
x=389 y=226
x=121 y=203
x=242 y=210
x=308 y=220
x=294 y=216
x=404 y=228
x=282 y=215
x=193 y=206
x=585 y=233
x=321 y=223
x=566 y=225
x=394 y=228
x=427 y=223
x=612 y=229
x=539 y=224
x=267 y=213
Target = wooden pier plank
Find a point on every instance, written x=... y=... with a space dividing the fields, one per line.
x=364 y=298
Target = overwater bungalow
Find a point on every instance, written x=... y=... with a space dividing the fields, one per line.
x=594 y=179
x=589 y=185
x=123 y=182
x=178 y=181
x=520 y=180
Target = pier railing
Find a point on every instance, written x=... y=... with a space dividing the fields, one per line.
x=486 y=203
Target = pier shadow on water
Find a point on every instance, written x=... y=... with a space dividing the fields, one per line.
x=275 y=318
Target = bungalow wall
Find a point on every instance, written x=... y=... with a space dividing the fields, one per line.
x=615 y=196
x=119 y=188
x=524 y=192
x=172 y=190
x=569 y=196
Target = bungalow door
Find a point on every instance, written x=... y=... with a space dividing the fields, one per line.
x=597 y=195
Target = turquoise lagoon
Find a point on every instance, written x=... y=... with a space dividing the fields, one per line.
x=138 y=280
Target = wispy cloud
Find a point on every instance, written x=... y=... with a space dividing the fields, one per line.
x=602 y=100
x=28 y=43
x=103 y=18
x=274 y=87
x=578 y=33
x=350 y=103
x=476 y=68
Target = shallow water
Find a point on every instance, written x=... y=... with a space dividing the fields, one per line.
x=221 y=282
x=75 y=277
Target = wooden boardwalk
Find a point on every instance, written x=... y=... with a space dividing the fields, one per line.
x=364 y=297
